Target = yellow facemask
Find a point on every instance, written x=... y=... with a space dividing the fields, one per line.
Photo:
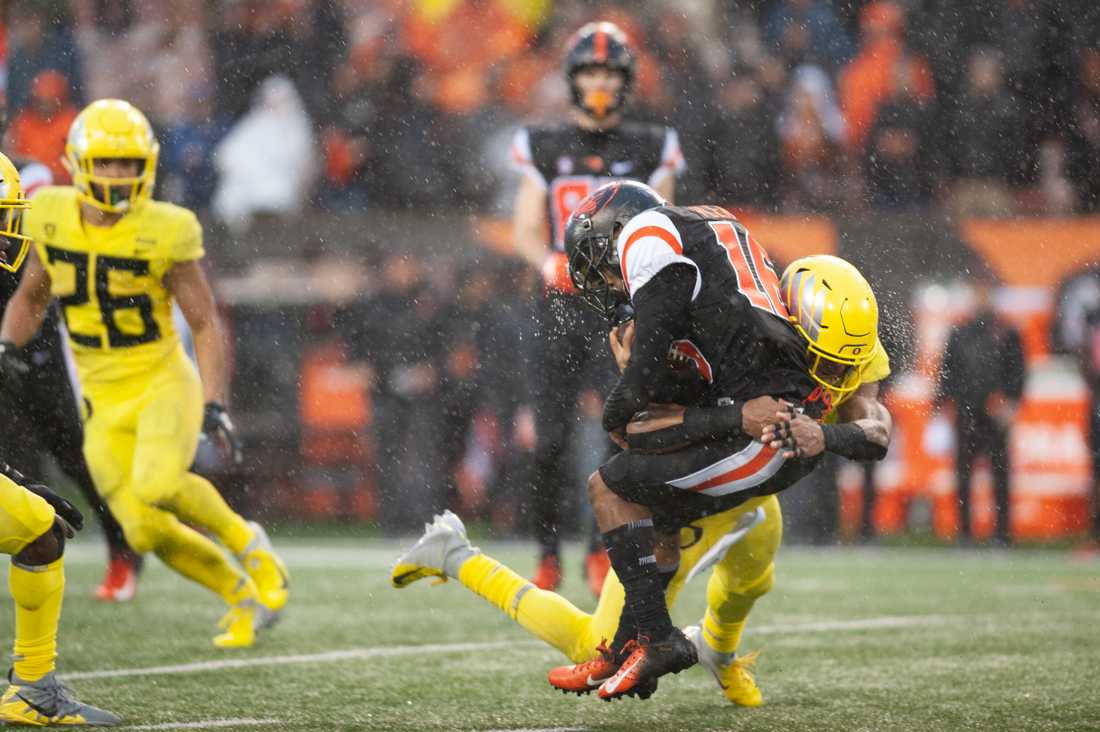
x=12 y=205
x=112 y=129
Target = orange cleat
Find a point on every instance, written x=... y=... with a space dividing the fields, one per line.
x=120 y=582
x=638 y=674
x=596 y=567
x=582 y=678
x=548 y=574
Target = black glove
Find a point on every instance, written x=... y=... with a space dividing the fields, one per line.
x=69 y=514
x=216 y=422
x=623 y=313
x=12 y=367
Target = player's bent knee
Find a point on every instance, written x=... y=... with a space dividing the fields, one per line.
x=155 y=492
x=759 y=586
x=46 y=549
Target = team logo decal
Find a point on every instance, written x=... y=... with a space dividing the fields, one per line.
x=596 y=202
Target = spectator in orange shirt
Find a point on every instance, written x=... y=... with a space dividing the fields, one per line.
x=868 y=80
x=40 y=128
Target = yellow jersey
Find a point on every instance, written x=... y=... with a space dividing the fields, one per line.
x=109 y=280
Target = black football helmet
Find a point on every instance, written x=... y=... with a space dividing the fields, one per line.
x=590 y=235
x=599 y=44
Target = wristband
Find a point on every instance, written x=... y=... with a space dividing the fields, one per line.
x=850 y=441
x=700 y=424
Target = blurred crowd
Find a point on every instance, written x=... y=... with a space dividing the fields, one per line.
x=988 y=107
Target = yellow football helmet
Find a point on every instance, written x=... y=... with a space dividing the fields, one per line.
x=111 y=129
x=833 y=308
x=13 y=244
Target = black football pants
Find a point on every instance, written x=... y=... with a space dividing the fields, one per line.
x=571 y=354
x=982 y=437
x=42 y=420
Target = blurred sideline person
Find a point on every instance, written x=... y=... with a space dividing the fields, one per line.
x=117 y=261
x=34 y=523
x=43 y=418
x=560 y=165
x=739 y=542
x=1088 y=361
x=982 y=373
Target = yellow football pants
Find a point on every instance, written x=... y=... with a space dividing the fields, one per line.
x=743 y=575
x=140 y=437
x=24 y=516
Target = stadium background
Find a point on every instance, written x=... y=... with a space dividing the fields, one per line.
x=925 y=145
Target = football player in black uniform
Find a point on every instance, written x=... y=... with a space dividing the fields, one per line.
x=560 y=165
x=43 y=418
x=701 y=286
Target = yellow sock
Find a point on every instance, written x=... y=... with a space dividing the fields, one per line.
x=546 y=615
x=728 y=608
x=197 y=558
x=37 y=593
x=199 y=502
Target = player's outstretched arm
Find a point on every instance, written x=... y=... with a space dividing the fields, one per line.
x=27 y=307
x=529 y=223
x=191 y=290
x=862 y=431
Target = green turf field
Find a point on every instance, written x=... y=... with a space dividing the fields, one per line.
x=890 y=639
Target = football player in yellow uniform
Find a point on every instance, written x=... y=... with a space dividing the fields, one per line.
x=116 y=260
x=34 y=523
x=741 y=543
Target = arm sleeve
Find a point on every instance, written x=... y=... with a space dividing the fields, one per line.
x=660 y=308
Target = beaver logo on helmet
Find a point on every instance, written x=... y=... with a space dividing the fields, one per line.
x=590 y=239
x=596 y=201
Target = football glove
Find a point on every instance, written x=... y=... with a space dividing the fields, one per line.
x=217 y=424
x=12 y=367
x=71 y=517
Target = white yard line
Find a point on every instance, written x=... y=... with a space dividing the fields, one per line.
x=350 y=654
x=355 y=654
x=886 y=621
x=541 y=729
x=209 y=724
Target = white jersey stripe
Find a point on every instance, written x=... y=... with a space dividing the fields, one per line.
x=745 y=469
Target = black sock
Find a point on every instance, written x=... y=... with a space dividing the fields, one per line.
x=667 y=573
x=630 y=548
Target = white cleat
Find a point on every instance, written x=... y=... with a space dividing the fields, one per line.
x=729 y=670
x=444 y=546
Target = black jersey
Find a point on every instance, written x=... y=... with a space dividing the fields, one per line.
x=570 y=162
x=738 y=334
